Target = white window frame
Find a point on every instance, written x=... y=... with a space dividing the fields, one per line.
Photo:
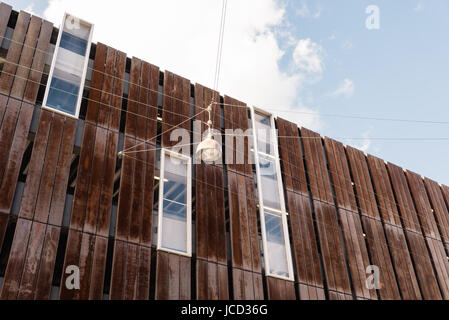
x=188 y=161
x=282 y=212
x=83 y=77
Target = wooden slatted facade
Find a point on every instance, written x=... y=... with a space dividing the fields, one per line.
x=68 y=199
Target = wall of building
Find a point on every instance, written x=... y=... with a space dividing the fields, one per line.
x=67 y=199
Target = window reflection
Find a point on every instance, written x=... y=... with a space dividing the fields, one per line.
x=63 y=88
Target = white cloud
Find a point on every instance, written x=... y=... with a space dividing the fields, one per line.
x=365 y=144
x=345 y=89
x=305 y=12
x=30 y=9
x=347 y=44
x=181 y=36
x=308 y=56
x=419 y=7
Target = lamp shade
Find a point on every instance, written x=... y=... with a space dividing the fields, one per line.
x=209 y=150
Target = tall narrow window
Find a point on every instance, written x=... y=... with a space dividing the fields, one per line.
x=273 y=216
x=68 y=69
x=174 y=209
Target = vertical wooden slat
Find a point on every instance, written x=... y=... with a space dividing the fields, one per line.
x=331 y=244
x=357 y=252
x=15 y=49
x=5 y=12
x=16 y=260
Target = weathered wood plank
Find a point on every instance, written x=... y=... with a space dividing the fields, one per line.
x=16 y=260
x=17 y=149
x=15 y=49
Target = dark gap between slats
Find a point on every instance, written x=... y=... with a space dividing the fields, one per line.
x=7 y=243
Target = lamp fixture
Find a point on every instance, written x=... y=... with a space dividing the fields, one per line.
x=209 y=150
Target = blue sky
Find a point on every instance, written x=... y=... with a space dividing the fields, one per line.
x=312 y=56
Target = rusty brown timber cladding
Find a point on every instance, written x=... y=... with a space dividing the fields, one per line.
x=422 y=257
x=332 y=246
x=90 y=219
x=211 y=264
x=349 y=218
x=173 y=272
x=426 y=216
x=17 y=82
x=304 y=247
x=132 y=248
x=245 y=252
x=381 y=243
x=31 y=262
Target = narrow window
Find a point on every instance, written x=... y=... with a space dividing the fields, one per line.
x=174 y=209
x=273 y=216
x=68 y=69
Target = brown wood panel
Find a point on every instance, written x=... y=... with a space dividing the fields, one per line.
x=304 y=246
x=336 y=273
x=116 y=291
x=362 y=183
x=135 y=207
x=88 y=252
x=172 y=277
x=16 y=260
x=236 y=119
x=176 y=107
x=243 y=223
x=98 y=269
x=36 y=165
x=341 y=177
x=380 y=256
x=15 y=49
x=384 y=191
x=62 y=172
x=440 y=209
x=83 y=177
x=404 y=199
x=291 y=157
x=5 y=12
x=405 y=272
x=246 y=285
x=142 y=101
x=211 y=281
x=279 y=289
x=424 y=271
x=210 y=217
x=40 y=55
x=47 y=264
x=112 y=90
x=441 y=264
x=3 y=103
x=422 y=205
x=32 y=254
x=357 y=253
x=96 y=83
x=310 y=293
x=49 y=170
x=320 y=184
x=26 y=58
x=356 y=249
x=7 y=129
x=17 y=149
x=132 y=108
x=96 y=179
x=72 y=257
